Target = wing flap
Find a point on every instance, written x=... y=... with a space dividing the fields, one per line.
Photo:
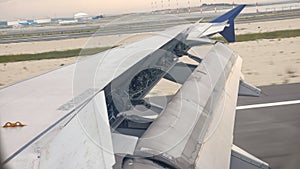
x=242 y=159
x=246 y=89
x=179 y=131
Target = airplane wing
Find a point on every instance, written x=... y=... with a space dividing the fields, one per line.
x=99 y=112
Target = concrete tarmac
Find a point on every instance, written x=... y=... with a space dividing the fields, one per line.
x=271 y=133
x=136 y=24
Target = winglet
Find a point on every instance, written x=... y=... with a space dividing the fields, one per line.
x=228 y=32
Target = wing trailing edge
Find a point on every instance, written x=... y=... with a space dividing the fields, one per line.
x=242 y=159
x=228 y=33
x=246 y=89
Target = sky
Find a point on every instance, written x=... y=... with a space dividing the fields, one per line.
x=33 y=9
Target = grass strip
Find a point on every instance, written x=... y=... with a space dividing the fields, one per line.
x=52 y=54
x=265 y=35
x=91 y=51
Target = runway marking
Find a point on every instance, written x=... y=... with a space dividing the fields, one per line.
x=254 y=106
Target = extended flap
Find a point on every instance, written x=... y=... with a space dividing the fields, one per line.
x=246 y=89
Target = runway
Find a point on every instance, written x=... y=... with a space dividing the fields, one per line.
x=271 y=133
x=126 y=25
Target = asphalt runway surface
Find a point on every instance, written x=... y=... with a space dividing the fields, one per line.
x=271 y=133
x=132 y=24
